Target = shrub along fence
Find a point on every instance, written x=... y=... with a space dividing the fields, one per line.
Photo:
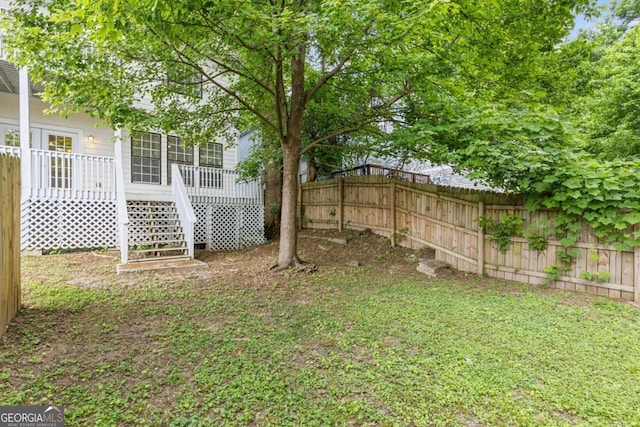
x=9 y=239
x=457 y=224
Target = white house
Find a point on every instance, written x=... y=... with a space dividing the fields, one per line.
x=87 y=186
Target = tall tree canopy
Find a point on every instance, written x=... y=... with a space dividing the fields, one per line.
x=611 y=114
x=205 y=67
x=604 y=80
x=626 y=10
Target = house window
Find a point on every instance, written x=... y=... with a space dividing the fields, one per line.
x=185 y=80
x=145 y=158
x=12 y=138
x=211 y=157
x=179 y=154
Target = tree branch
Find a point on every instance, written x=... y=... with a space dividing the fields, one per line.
x=280 y=96
x=361 y=122
x=326 y=77
x=212 y=79
x=224 y=65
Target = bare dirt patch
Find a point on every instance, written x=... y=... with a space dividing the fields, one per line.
x=250 y=267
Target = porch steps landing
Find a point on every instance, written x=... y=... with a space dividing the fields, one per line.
x=163 y=264
x=155 y=233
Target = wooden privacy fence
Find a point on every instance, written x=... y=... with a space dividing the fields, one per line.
x=9 y=239
x=446 y=219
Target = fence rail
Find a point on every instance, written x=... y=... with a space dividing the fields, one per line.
x=446 y=219
x=9 y=239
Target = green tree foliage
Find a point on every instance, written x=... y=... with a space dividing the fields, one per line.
x=611 y=112
x=206 y=67
x=507 y=146
x=626 y=10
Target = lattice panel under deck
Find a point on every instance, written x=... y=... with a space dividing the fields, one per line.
x=43 y=225
x=200 y=229
x=234 y=227
x=252 y=228
x=225 y=228
x=87 y=224
x=68 y=224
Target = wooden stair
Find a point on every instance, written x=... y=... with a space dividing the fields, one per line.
x=155 y=232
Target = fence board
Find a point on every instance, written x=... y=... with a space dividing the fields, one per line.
x=447 y=220
x=10 y=298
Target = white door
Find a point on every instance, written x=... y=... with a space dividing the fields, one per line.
x=60 y=165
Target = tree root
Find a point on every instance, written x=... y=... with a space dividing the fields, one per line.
x=277 y=268
x=296 y=264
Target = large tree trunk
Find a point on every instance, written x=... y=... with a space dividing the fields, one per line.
x=288 y=254
x=272 y=199
x=291 y=142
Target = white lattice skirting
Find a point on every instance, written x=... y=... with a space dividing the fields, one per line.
x=68 y=224
x=229 y=227
x=79 y=224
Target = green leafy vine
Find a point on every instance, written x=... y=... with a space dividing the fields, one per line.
x=502 y=231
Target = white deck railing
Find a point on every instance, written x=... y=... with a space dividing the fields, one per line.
x=219 y=185
x=184 y=208
x=75 y=176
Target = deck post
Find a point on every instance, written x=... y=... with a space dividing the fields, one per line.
x=25 y=134
x=121 y=200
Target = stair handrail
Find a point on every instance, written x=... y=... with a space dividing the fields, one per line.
x=123 y=215
x=184 y=208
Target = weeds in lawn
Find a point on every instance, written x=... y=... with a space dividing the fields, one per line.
x=340 y=347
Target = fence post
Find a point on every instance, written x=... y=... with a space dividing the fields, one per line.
x=300 y=207
x=392 y=202
x=636 y=271
x=9 y=239
x=480 y=240
x=340 y=204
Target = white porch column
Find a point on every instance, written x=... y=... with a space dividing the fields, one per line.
x=121 y=201
x=25 y=134
x=118 y=146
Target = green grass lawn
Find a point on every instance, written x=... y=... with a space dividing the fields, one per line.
x=338 y=347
